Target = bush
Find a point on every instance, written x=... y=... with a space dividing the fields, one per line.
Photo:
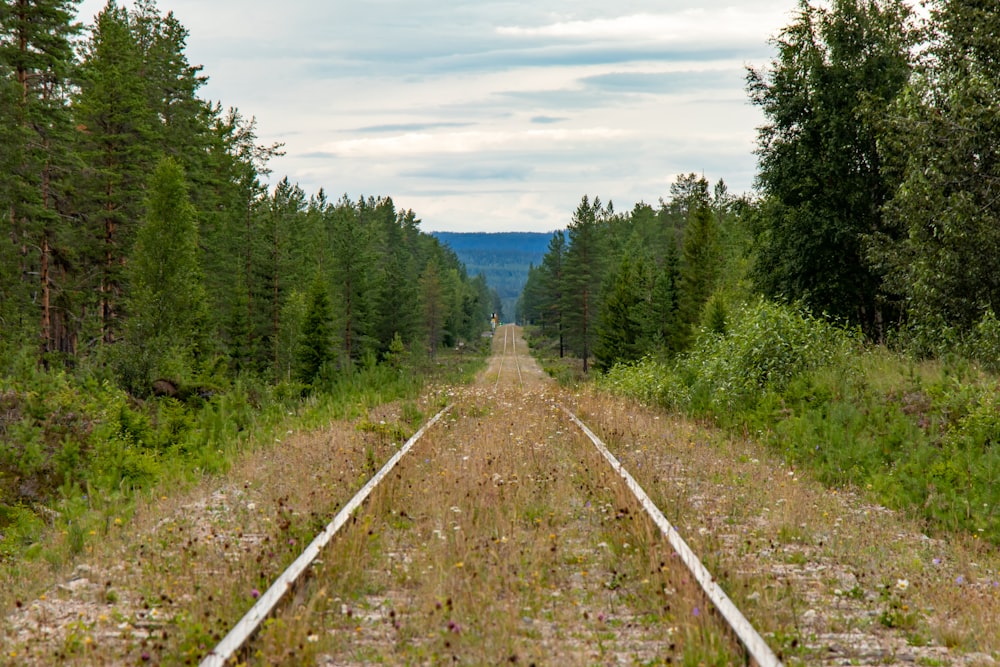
x=766 y=346
x=924 y=438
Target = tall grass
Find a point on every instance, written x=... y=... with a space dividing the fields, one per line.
x=921 y=436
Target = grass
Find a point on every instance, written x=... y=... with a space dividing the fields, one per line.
x=801 y=560
x=163 y=574
x=517 y=544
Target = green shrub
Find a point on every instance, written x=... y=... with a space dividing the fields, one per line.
x=926 y=440
x=766 y=346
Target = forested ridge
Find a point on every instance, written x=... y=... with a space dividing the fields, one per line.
x=148 y=270
x=846 y=309
x=503 y=257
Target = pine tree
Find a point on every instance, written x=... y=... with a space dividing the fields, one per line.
x=583 y=275
x=35 y=48
x=116 y=144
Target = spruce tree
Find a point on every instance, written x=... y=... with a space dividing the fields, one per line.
x=352 y=265
x=624 y=309
x=315 y=344
x=699 y=266
x=165 y=332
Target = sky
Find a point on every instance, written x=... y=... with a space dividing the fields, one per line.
x=489 y=115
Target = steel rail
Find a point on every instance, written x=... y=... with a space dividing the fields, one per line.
x=251 y=621
x=517 y=363
x=754 y=644
x=503 y=356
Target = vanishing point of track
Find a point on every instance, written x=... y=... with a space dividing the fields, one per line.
x=511 y=378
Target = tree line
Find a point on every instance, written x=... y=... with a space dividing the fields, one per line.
x=616 y=286
x=141 y=235
x=875 y=203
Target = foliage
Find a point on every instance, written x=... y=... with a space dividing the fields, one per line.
x=82 y=447
x=941 y=252
x=628 y=284
x=764 y=348
x=837 y=72
x=921 y=438
x=315 y=345
x=152 y=285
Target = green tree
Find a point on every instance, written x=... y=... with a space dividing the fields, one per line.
x=116 y=145
x=433 y=300
x=552 y=277
x=699 y=269
x=165 y=331
x=625 y=312
x=664 y=326
x=941 y=249
x=352 y=265
x=396 y=281
x=315 y=344
x=36 y=50
x=583 y=273
x=837 y=72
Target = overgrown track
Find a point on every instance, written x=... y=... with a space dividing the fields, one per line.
x=505 y=536
x=509 y=334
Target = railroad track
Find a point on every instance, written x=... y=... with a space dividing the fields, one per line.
x=508 y=334
x=487 y=544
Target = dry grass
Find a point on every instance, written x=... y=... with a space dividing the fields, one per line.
x=828 y=577
x=163 y=586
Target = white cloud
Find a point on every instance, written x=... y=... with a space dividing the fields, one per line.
x=689 y=26
x=432 y=103
x=437 y=143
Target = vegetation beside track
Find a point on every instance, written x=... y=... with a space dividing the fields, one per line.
x=110 y=454
x=921 y=436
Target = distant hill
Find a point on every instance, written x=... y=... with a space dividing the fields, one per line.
x=502 y=257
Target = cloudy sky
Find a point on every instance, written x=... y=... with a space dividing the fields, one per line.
x=490 y=115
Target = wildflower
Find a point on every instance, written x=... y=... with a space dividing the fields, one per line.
x=312 y=638
x=902 y=584
x=255 y=594
x=118 y=521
